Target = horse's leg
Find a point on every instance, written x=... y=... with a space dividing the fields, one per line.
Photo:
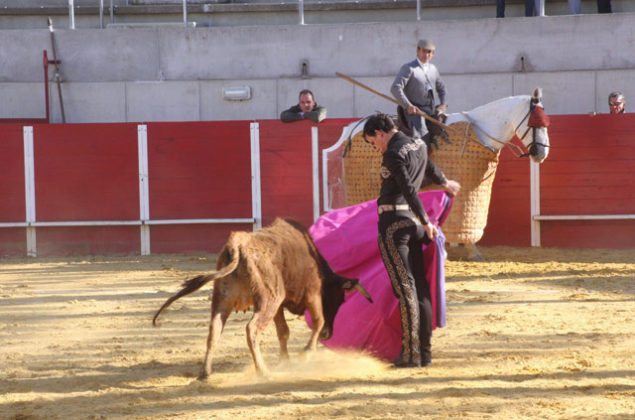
x=473 y=254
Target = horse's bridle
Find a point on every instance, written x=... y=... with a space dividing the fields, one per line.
x=532 y=125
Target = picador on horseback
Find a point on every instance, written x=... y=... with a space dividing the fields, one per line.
x=417 y=87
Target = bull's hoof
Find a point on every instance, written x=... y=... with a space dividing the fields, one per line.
x=264 y=374
x=203 y=376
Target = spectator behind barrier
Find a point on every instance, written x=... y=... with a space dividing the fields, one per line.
x=617 y=102
x=306 y=109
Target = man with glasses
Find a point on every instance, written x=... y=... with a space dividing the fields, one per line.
x=616 y=103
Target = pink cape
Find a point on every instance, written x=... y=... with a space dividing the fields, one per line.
x=347 y=238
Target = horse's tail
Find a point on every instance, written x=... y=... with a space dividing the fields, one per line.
x=193 y=284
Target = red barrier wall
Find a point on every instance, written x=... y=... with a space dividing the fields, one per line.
x=589 y=171
x=286 y=162
x=203 y=170
x=509 y=217
x=86 y=172
x=285 y=167
x=12 y=201
x=198 y=170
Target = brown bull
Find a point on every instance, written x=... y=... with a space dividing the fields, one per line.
x=274 y=268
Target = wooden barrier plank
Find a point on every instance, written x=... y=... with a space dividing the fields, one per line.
x=201 y=238
x=508 y=220
x=12 y=204
x=589 y=172
x=199 y=170
x=287 y=187
x=87 y=240
x=13 y=242
x=12 y=195
x=86 y=172
x=588 y=234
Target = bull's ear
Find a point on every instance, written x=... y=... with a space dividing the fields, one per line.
x=350 y=284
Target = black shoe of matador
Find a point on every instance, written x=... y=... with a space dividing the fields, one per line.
x=399 y=363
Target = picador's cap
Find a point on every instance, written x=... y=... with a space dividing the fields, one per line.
x=425 y=44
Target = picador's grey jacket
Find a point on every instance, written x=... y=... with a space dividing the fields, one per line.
x=411 y=88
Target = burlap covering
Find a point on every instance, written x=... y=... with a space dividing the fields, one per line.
x=361 y=171
x=464 y=160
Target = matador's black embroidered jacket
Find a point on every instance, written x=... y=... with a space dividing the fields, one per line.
x=404 y=166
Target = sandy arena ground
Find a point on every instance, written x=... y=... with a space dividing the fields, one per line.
x=532 y=333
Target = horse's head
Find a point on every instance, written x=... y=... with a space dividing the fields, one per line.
x=498 y=122
x=535 y=136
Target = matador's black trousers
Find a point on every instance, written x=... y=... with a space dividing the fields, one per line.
x=401 y=237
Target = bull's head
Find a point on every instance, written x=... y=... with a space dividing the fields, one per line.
x=333 y=297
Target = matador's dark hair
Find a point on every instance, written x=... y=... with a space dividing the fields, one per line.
x=379 y=121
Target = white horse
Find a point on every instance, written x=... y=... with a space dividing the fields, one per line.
x=495 y=124
x=498 y=122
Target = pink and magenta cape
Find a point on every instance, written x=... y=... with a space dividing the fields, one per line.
x=347 y=238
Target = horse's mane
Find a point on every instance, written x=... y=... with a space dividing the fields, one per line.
x=495 y=120
x=495 y=107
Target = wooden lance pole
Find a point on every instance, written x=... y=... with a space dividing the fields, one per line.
x=368 y=88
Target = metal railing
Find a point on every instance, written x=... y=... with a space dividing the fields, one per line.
x=71 y=14
x=71 y=11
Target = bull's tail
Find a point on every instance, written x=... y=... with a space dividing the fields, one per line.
x=193 y=284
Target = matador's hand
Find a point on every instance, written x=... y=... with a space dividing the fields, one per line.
x=451 y=187
x=431 y=230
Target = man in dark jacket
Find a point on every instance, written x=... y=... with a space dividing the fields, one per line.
x=403 y=227
x=306 y=109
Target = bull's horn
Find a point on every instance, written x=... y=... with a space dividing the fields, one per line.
x=363 y=291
